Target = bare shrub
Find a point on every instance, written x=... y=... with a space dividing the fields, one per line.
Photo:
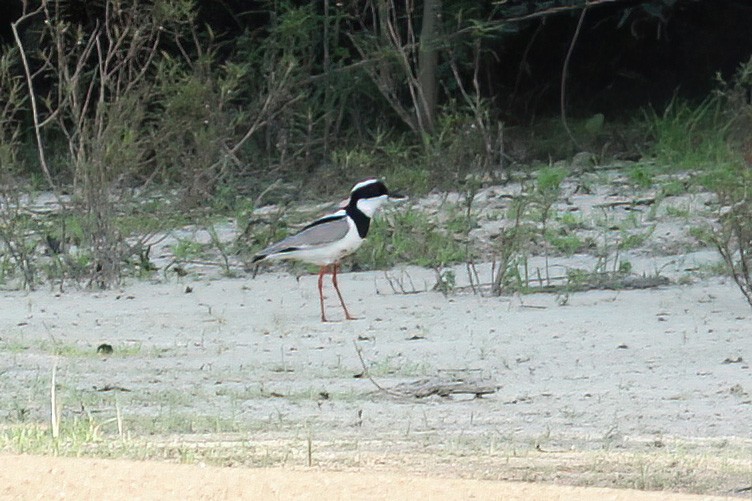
x=15 y=239
x=109 y=89
x=734 y=240
x=391 y=50
x=513 y=244
x=97 y=101
x=731 y=180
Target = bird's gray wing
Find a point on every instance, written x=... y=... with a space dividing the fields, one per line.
x=321 y=232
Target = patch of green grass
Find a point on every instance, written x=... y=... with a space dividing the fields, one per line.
x=716 y=269
x=153 y=216
x=571 y=221
x=690 y=135
x=411 y=237
x=402 y=165
x=13 y=345
x=188 y=249
x=703 y=234
x=76 y=435
x=415 y=180
x=66 y=349
x=99 y=436
x=566 y=244
x=674 y=188
x=679 y=212
x=577 y=277
x=548 y=183
x=17 y=344
x=459 y=223
x=634 y=240
x=642 y=175
x=172 y=422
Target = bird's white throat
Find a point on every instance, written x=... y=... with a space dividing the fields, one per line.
x=369 y=206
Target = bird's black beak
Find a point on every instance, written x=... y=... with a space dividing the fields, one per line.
x=397 y=197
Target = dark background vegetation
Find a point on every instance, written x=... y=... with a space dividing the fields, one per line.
x=629 y=54
x=231 y=104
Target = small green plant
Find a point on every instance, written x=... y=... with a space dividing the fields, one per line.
x=571 y=221
x=546 y=193
x=398 y=366
x=688 y=135
x=221 y=247
x=548 y=185
x=678 y=212
x=633 y=240
x=566 y=244
x=641 y=176
x=674 y=188
x=446 y=280
x=185 y=250
x=512 y=249
x=577 y=278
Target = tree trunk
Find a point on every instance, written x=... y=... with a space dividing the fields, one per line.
x=428 y=58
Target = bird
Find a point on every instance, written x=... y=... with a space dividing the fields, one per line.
x=327 y=240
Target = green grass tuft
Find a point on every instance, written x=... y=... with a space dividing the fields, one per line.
x=411 y=237
x=690 y=136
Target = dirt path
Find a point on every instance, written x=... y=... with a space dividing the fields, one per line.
x=29 y=477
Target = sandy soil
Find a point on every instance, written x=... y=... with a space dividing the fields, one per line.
x=593 y=392
x=24 y=477
x=644 y=388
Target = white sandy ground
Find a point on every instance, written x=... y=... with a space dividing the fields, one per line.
x=609 y=372
x=646 y=388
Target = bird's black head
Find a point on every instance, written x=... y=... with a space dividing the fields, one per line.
x=365 y=199
x=370 y=188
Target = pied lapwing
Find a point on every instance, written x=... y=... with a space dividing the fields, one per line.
x=327 y=240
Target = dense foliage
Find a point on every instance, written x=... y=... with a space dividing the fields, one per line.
x=105 y=100
x=252 y=90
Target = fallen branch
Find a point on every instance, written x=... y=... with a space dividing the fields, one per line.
x=427 y=387
x=367 y=374
x=619 y=203
x=109 y=387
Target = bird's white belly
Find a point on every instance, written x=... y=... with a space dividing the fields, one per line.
x=330 y=253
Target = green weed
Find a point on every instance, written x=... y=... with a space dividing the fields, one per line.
x=64 y=349
x=185 y=250
x=412 y=237
x=571 y=221
x=634 y=240
x=678 y=212
x=688 y=135
x=566 y=244
x=674 y=188
x=642 y=176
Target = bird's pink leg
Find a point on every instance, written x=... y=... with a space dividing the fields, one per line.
x=322 y=272
x=335 y=267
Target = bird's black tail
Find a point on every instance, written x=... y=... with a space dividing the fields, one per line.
x=257 y=258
